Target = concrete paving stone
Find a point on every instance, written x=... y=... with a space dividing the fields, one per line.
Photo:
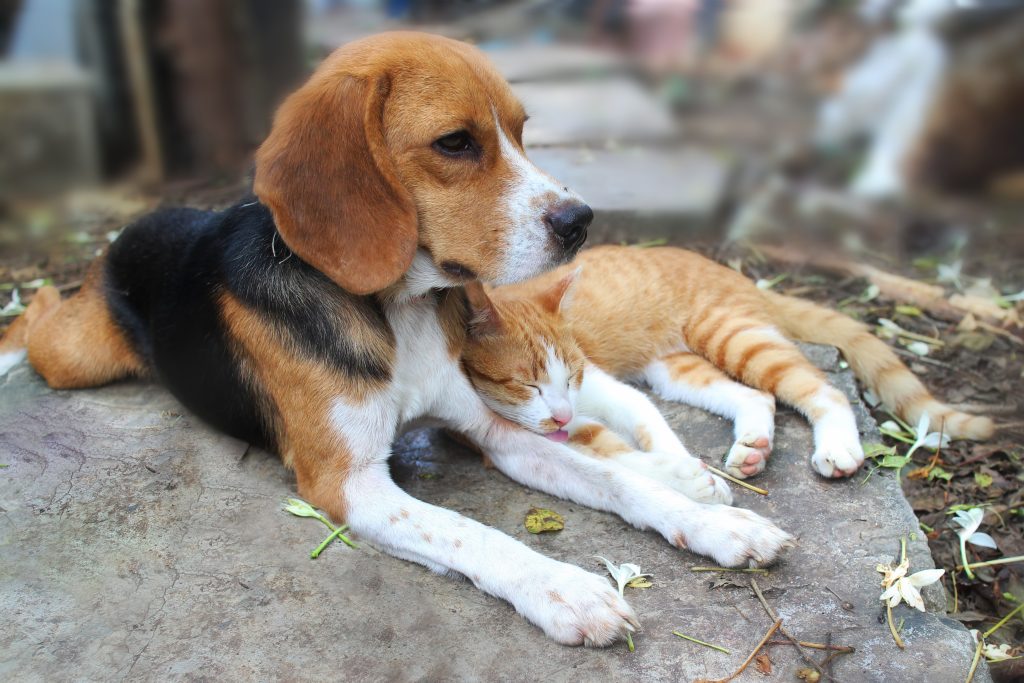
x=592 y=111
x=136 y=543
x=521 y=63
x=639 y=192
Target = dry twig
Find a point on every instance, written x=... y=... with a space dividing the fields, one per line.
x=793 y=641
x=750 y=658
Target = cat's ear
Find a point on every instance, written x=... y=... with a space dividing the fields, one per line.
x=557 y=298
x=484 y=319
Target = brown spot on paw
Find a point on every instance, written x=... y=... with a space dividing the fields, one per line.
x=554 y=596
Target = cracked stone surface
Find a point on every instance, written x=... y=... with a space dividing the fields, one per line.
x=137 y=543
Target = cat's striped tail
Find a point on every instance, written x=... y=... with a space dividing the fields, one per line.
x=876 y=365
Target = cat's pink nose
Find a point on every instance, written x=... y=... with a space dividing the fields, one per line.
x=561 y=417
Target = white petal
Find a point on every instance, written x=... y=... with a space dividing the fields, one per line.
x=926 y=577
x=969 y=520
x=934 y=440
x=982 y=539
x=890 y=426
x=633 y=569
x=891 y=596
x=922 y=425
x=910 y=594
x=919 y=348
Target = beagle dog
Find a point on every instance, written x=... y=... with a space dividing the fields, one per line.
x=320 y=317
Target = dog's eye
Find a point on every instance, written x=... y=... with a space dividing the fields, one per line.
x=457 y=144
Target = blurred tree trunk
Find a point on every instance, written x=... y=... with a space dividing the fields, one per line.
x=220 y=68
x=975 y=132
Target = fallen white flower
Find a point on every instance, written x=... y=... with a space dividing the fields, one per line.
x=930 y=440
x=969 y=521
x=951 y=273
x=623 y=574
x=919 y=348
x=996 y=653
x=900 y=587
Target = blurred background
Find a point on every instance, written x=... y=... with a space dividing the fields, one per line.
x=868 y=154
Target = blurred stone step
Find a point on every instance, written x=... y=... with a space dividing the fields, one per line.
x=524 y=63
x=640 y=193
x=594 y=112
x=47 y=129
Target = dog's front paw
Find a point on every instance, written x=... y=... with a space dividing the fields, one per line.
x=574 y=607
x=733 y=537
x=684 y=473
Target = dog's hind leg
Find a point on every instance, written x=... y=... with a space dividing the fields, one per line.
x=74 y=343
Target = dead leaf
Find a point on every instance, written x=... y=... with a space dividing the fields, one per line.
x=539 y=520
x=763 y=664
x=726 y=582
x=639 y=582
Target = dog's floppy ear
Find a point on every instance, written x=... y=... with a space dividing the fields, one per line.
x=327 y=177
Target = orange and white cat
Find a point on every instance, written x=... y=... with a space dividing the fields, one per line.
x=689 y=328
x=525 y=365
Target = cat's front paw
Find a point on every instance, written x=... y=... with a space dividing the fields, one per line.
x=835 y=458
x=733 y=537
x=685 y=474
x=748 y=456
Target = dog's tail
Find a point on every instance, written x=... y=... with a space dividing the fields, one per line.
x=876 y=365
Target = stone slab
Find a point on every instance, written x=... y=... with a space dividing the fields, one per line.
x=138 y=544
x=592 y=111
x=640 y=192
x=522 y=63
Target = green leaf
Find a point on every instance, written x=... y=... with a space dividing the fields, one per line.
x=539 y=520
x=874 y=450
x=895 y=462
x=982 y=480
x=912 y=311
x=939 y=473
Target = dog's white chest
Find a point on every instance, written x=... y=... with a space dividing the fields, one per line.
x=424 y=371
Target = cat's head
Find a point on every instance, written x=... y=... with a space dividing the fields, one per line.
x=522 y=359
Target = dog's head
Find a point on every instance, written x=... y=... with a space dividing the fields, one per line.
x=404 y=141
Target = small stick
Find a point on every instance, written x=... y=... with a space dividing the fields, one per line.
x=745 y=570
x=738 y=482
x=974 y=662
x=793 y=641
x=956 y=595
x=845 y=604
x=337 y=533
x=992 y=563
x=1002 y=622
x=827 y=663
x=892 y=628
x=749 y=658
x=842 y=649
x=700 y=642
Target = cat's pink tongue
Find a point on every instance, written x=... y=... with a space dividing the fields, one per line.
x=560 y=435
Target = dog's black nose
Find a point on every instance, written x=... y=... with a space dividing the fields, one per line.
x=569 y=222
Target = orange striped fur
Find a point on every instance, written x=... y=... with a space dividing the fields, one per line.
x=691 y=328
